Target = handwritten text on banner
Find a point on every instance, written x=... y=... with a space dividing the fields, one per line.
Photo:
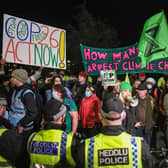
x=32 y=43
x=122 y=60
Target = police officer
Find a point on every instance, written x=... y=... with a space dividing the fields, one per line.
x=113 y=147
x=52 y=146
x=3 y=161
x=24 y=110
x=4 y=124
x=11 y=148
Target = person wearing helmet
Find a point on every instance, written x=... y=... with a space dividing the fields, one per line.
x=113 y=147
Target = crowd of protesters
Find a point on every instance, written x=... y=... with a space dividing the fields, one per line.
x=28 y=93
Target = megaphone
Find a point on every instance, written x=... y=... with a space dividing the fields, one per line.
x=133 y=101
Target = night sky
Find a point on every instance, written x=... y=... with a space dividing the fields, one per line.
x=127 y=17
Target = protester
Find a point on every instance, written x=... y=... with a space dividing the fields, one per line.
x=135 y=85
x=165 y=108
x=32 y=79
x=52 y=147
x=142 y=77
x=23 y=112
x=111 y=90
x=150 y=84
x=23 y=109
x=78 y=90
x=165 y=99
x=46 y=87
x=89 y=112
x=144 y=114
x=57 y=80
x=125 y=94
x=113 y=147
x=54 y=80
x=99 y=87
x=71 y=120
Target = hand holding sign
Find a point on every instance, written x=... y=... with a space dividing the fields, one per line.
x=31 y=43
x=109 y=78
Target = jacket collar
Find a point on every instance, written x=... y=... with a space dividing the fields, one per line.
x=112 y=130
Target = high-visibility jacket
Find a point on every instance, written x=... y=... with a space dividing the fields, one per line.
x=3 y=162
x=49 y=147
x=106 y=151
x=17 y=109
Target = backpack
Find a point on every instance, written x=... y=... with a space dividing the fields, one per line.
x=39 y=101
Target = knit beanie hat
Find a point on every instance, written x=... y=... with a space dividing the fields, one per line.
x=20 y=74
x=124 y=86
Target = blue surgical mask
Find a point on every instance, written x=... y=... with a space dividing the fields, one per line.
x=149 y=86
x=87 y=93
x=54 y=95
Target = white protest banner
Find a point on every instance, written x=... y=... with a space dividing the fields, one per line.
x=31 y=43
x=108 y=77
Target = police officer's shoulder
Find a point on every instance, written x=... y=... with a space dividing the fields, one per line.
x=78 y=136
x=11 y=145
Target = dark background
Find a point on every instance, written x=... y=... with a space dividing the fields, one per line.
x=126 y=17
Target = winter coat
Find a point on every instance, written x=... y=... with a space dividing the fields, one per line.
x=89 y=110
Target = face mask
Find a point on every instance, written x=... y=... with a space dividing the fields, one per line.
x=149 y=86
x=87 y=93
x=54 y=95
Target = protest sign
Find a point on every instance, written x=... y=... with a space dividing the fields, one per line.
x=108 y=78
x=122 y=60
x=31 y=43
x=153 y=43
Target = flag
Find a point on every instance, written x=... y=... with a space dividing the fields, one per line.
x=127 y=78
x=153 y=42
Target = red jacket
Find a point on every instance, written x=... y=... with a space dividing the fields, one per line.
x=89 y=110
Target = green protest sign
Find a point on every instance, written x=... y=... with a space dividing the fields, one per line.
x=153 y=43
x=122 y=60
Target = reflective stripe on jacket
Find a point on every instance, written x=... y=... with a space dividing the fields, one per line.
x=3 y=162
x=121 y=151
x=17 y=111
x=49 y=147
